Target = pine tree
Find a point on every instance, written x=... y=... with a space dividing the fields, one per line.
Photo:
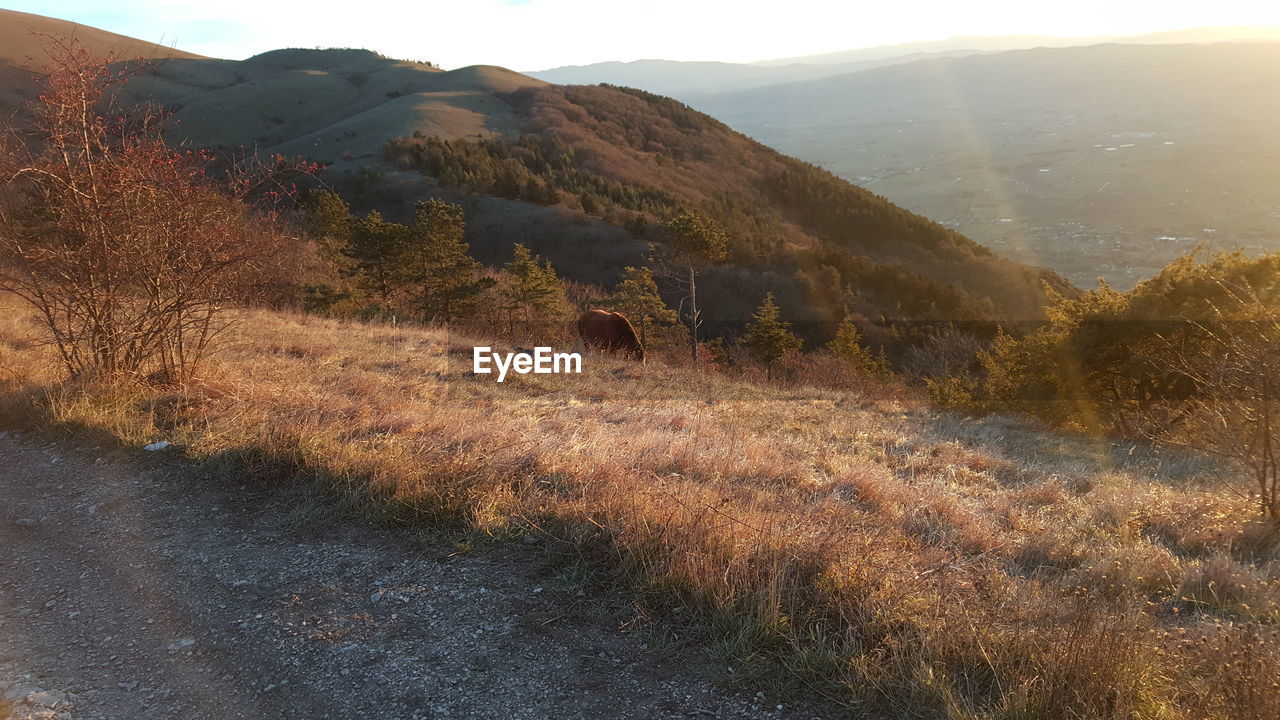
x=374 y=247
x=507 y=185
x=637 y=224
x=693 y=242
x=636 y=296
x=328 y=223
x=435 y=261
x=326 y=215
x=847 y=345
x=769 y=338
x=533 y=290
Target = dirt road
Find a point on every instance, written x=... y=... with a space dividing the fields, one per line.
x=121 y=598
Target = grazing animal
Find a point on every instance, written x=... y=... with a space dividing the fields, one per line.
x=610 y=332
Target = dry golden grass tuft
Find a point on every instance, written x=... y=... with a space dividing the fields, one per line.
x=893 y=558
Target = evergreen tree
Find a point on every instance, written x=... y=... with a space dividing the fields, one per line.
x=508 y=185
x=694 y=242
x=540 y=192
x=636 y=296
x=637 y=224
x=769 y=338
x=326 y=215
x=327 y=221
x=847 y=345
x=533 y=290
x=435 y=262
x=375 y=247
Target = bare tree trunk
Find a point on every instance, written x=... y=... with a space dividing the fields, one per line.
x=1267 y=485
x=693 y=315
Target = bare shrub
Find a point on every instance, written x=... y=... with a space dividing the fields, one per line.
x=947 y=352
x=1233 y=361
x=129 y=253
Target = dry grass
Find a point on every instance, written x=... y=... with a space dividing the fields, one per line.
x=901 y=561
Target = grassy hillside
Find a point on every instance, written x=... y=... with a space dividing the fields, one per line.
x=1107 y=160
x=333 y=106
x=898 y=560
x=597 y=169
x=639 y=157
x=631 y=157
x=23 y=56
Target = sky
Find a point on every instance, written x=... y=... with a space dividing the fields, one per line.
x=538 y=34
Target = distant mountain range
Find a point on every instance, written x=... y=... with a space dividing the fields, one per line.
x=582 y=175
x=1095 y=160
x=678 y=78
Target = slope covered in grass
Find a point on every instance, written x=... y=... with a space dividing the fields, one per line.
x=565 y=169
x=24 y=57
x=633 y=159
x=899 y=560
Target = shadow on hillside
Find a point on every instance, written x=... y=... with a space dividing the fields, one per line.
x=1026 y=451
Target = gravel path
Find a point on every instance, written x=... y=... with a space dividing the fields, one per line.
x=120 y=598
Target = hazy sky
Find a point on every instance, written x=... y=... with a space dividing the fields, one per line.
x=538 y=34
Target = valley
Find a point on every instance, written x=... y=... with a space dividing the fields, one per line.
x=1097 y=160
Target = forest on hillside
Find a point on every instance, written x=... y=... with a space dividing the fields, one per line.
x=634 y=160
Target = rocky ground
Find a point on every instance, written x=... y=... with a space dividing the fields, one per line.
x=123 y=597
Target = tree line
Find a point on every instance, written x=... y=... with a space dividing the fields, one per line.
x=423 y=271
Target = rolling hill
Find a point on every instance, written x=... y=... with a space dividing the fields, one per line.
x=23 y=57
x=584 y=175
x=330 y=105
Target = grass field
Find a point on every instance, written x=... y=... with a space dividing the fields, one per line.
x=898 y=560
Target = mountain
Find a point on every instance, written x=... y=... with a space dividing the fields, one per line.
x=1203 y=35
x=678 y=79
x=682 y=79
x=982 y=44
x=1101 y=160
x=333 y=106
x=584 y=175
x=963 y=44
x=23 y=56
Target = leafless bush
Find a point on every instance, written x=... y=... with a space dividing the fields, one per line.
x=947 y=352
x=1230 y=362
x=128 y=251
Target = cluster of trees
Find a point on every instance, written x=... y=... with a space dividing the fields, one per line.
x=421 y=269
x=769 y=339
x=639 y=160
x=1189 y=358
x=542 y=170
x=424 y=270
x=780 y=211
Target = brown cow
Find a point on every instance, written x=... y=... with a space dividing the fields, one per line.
x=610 y=332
